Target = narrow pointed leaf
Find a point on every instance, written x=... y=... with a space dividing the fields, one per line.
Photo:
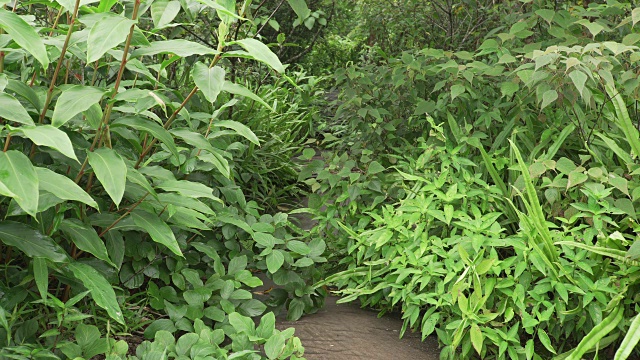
x=239 y=128
x=63 y=187
x=151 y=128
x=111 y=171
x=11 y=109
x=73 y=101
x=107 y=33
x=194 y=139
x=159 y=231
x=50 y=136
x=188 y=188
x=24 y=35
x=182 y=48
x=41 y=276
x=31 y=242
x=100 y=289
x=243 y=91
x=85 y=238
x=18 y=175
x=262 y=53
x=208 y=80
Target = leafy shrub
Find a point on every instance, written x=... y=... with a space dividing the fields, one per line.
x=117 y=178
x=509 y=226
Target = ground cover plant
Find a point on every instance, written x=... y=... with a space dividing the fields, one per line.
x=491 y=195
x=125 y=234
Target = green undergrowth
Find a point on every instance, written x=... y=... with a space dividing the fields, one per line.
x=492 y=196
x=139 y=180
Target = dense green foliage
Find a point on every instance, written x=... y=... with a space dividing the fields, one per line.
x=472 y=164
x=125 y=150
x=491 y=193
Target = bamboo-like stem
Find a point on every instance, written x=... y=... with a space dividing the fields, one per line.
x=124 y=215
x=107 y=114
x=173 y=116
x=60 y=61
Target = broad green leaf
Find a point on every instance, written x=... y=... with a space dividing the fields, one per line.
x=182 y=48
x=110 y=31
x=25 y=91
x=100 y=289
x=106 y=5
x=159 y=231
x=593 y=27
x=508 y=88
x=267 y=325
x=264 y=239
x=110 y=170
x=243 y=91
x=274 y=346
x=457 y=90
x=151 y=128
x=24 y=35
x=85 y=238
x=194 y=139
x=31 y=242
x=218 y=161
x=476 y=337
x=239 y=128
x=163 y=12
x=208 y=80
x=635 y=15
x=579 y=79
x=188 y=188
x=274 y=261
x=225 y=14
x=93 y=115
x=70 y=5
x=134 y=176
x=63 y=187
x=12 y=110
x=19 y=176
x=50 y=136
x=41 y=276
x=261 y=52
x=548 y=97
x=300 y=8
x=546 y=14
x=298 y=247
x=73 y=101
x=374 y=168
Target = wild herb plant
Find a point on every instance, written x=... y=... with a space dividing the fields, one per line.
x=506 y=222
x=121 y=212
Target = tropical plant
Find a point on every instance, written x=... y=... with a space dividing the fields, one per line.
x=122 y=217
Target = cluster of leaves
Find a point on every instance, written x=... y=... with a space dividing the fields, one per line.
x=122 y=217
x=523 y=251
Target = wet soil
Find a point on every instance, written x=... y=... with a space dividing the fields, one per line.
x=348 y=332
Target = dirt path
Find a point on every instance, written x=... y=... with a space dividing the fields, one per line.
x=348 y=332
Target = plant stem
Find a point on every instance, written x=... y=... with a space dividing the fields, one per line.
x=107 y=114
x=60 y=61
x=124 y=215
x=175 y=113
